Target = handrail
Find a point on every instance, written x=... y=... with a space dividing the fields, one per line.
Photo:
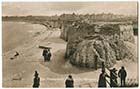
x=104 y=66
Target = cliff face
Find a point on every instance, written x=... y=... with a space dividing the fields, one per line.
x=66 y=26
x=64 y=30
x=90 y=44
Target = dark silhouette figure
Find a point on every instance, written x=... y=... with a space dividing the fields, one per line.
x=69 y=82
x=45 y=54
x=122 y=75
x=102 y=79
x=113 y=78
x=36 y=80
x=16 y=54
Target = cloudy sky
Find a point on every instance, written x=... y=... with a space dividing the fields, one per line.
x=52 y=8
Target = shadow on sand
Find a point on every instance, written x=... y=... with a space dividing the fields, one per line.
x=59 y=64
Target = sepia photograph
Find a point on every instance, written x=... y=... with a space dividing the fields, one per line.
x=70 y=44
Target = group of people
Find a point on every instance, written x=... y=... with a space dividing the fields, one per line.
x=102 y=82
x=47 y=55
x=69 y=83
x=122 y=74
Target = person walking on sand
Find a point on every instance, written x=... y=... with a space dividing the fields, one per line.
x=122 y=75
x=69 y=83
x=45 y=54
x=36 y=80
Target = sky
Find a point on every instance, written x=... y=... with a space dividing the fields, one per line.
x=53 y=8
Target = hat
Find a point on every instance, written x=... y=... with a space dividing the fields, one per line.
x=122 y=67
x=36 y=74
x=70 y=76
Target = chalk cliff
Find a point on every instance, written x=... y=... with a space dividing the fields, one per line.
x=90 y=44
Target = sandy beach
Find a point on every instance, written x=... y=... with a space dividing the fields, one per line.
x=25 y=38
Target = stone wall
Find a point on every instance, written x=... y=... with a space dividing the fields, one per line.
x=90 y=44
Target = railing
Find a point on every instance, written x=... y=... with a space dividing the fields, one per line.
x=129 y=82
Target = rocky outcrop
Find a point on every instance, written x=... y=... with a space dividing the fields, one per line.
x=64 y=30
x=90 y=44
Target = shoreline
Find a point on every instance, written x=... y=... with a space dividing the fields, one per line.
x=29 y=32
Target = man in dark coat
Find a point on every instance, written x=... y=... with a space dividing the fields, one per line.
x=69 y=82
x=45 y=54
x=102 y=79
x=36 y=80
x=122 y=75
